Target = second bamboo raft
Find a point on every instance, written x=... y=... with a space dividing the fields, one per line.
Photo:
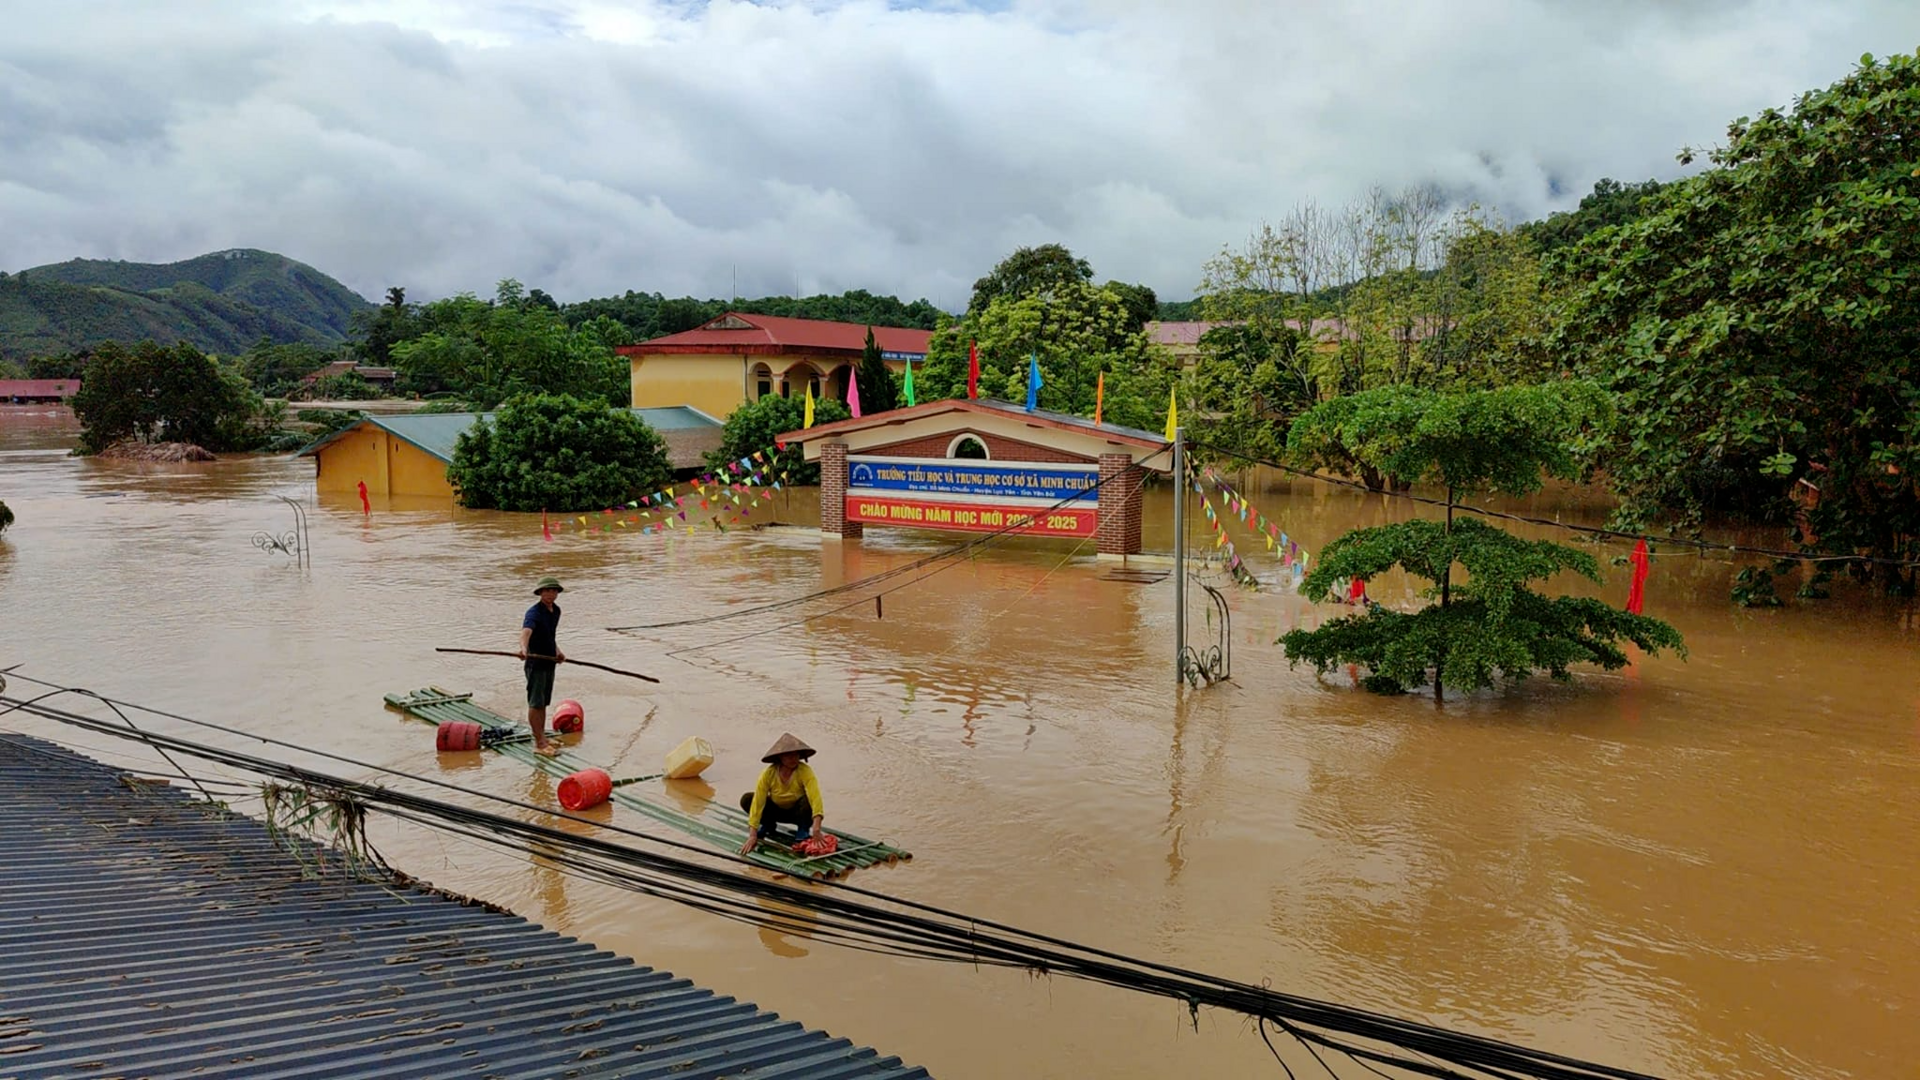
x=722 y=826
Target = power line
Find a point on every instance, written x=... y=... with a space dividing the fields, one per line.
x=956 y=550
x=905 y=585
x=903 y=928
x=1592 y=530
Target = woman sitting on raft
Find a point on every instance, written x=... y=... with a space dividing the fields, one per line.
x=787 y=794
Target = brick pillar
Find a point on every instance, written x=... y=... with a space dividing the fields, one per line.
x=1120 y=505
x=833 y=493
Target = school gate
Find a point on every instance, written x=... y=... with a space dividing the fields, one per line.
x=983 y=466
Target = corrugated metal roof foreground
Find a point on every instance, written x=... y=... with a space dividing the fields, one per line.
x=143 y=935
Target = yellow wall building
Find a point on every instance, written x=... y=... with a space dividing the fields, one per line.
x=734 y=359
x=409 y=455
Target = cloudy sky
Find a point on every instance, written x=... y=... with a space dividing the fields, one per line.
x=593 y=146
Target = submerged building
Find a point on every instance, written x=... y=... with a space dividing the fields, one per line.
x=409 y=455
x=735 y=359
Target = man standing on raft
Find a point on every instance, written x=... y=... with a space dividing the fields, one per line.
x=541 y=654
x=787 y=793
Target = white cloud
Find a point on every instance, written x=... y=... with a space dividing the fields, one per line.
x=591 y=147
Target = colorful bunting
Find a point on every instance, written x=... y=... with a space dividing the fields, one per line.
x=1292 y=558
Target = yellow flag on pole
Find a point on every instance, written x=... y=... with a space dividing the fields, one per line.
x=1099 y=396
x=808 y=422
x=1173 y=414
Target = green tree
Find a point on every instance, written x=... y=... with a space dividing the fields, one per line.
x=11 y=370
x=328 y=421
x=752 y=428
x=1030 y=271
x=1078 y=332
x=384 y=327
x=490 y=351
x=1492 y=623
x=1610 y=203
x=64 y=366
x=553 y=452
x=345 y=386
x=175 y=393
x=878 y=391
x=1141 y=305
x=1757 y=324
x=1392 y=289
x=1250 y=381
x=650 y=315
x=276 y=370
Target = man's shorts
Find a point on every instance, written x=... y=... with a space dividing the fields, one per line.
x=539 y=683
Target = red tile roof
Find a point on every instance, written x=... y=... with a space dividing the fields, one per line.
x=1189 y=333
x=40 y=388
x=764 y=335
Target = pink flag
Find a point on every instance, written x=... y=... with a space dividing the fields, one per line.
x=853 y=391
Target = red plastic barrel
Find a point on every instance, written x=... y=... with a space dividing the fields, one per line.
x=457 y=735
x=569 y=718
x=585 y=789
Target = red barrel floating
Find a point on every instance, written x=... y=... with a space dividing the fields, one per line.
x=569 y=718
x=585 y=789
x=457 y=735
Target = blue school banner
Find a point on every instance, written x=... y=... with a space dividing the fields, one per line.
x=967 y=477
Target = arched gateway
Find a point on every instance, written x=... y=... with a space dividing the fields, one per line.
x=983 y=466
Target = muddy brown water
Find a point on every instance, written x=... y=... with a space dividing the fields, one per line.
x=1698 y=868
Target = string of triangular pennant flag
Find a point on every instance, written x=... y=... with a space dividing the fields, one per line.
x=1292 y=556
x=1223 y=547
x=730 y=492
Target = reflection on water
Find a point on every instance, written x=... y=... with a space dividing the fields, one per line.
x=1698 y=868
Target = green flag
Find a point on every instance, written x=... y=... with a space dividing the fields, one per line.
x=910 y=400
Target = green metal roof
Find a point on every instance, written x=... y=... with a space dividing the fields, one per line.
x=435 y=433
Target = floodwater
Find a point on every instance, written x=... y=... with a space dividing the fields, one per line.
x=1690 y=868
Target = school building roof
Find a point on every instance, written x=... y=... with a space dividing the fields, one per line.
x=689 y=433
x=774 y=335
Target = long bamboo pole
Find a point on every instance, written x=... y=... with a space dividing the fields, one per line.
x=555 y=659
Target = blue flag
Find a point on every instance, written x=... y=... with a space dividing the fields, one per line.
x=1033 y=380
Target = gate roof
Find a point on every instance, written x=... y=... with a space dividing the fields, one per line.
x=1061 y=431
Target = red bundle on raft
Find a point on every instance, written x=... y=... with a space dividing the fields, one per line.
x=818 y=845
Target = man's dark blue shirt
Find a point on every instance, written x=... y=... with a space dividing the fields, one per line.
x=543 y=621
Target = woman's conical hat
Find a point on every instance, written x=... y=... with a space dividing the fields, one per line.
x=787 y=745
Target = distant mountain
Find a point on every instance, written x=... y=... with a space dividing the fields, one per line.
x=222 y=303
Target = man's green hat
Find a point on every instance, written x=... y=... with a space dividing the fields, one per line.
x=548 y=583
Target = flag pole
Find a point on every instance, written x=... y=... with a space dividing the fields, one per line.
x=1179 y=557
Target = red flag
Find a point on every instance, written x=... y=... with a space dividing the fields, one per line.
x=973 y=369
x=1636 y=592
x=546 y=530
x=366 y=508
x=1099 y=397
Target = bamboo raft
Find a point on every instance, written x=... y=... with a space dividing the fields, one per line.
x=723 y=826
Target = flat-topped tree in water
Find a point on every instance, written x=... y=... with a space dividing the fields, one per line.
x=1490 y=622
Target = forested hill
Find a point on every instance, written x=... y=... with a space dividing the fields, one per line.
x=221 y=302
